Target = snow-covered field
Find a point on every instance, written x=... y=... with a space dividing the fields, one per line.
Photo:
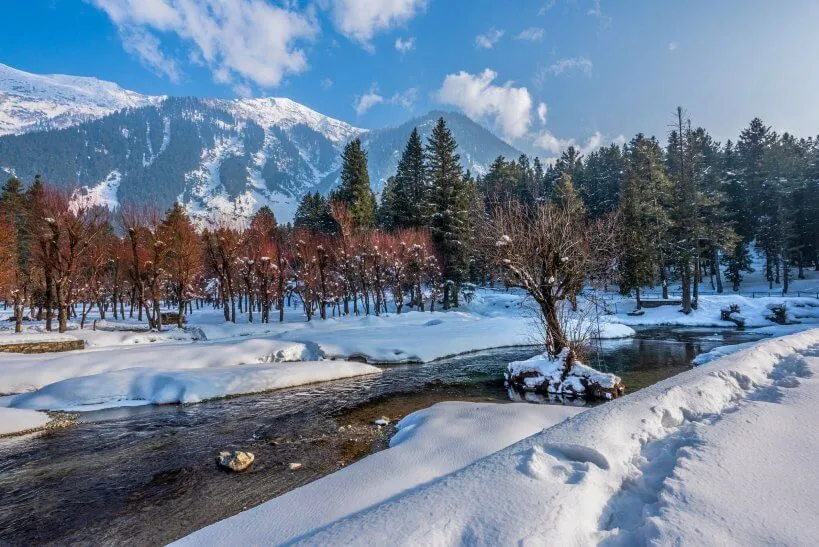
x=211 y=358
x=719 y=455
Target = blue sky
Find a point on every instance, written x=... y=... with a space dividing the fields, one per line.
x=601 y=68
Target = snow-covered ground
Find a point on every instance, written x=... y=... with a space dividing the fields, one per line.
x=718 y=455
x=113 y=365
x=122 y=367
x=430 y=443
x=140 y=386
x=14 y=420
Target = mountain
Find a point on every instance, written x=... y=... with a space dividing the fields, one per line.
x=34 y=102
x=220 y=158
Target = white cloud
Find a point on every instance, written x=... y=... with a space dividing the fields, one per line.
x=596 y=12
x=403 y=46
x=672 y=46
x=561 y=66
x=488 y=39
x=360 y=20
x=146 y=47
x=546 y=7
x=373 y=97
x=619 y=140
x=241 y=41
x=570 y=63
x=508 y=106
x=531 y=34
x=542 y=110
x=326 y=83
x=406 y=98
x=365 y=102
x=546 y=140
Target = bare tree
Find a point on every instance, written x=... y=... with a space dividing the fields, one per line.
x=548 y=251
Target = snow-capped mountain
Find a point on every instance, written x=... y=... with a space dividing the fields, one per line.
x=223 y=159
x=33 y=102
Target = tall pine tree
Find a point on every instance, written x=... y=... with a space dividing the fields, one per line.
x=448 y=208
x=354 y=189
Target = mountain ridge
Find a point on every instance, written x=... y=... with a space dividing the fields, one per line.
x=221 y=158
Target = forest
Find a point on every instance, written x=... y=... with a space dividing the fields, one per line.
x=627 y=217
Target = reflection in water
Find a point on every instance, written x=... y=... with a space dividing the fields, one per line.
x=112 y=478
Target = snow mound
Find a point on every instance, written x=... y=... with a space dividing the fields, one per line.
x=21 y=373
x=156 y=386
x=545 y=374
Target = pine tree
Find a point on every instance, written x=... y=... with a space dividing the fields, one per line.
x=716 y=233
x=645 y=221
x=685 y=201
x=448 y=208
x=313 y=213
x=410 y=192
x=386 y=214
x=354 y=189
x=600 y=184
x=753 y=149
x=739 y=215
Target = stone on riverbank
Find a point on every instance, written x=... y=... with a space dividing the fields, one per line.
x=236 y=461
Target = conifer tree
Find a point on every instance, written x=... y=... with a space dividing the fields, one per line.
x=644 y=219
x=738 y=214
x=313 y=213
x=409 y=190
x=354 y=189
x=448 y=207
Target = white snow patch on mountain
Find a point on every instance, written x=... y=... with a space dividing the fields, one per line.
x=285 y=114
x=103 y=194
x=33 y=102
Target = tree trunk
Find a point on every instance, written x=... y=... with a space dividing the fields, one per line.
x=715 y=268
x=685 y=278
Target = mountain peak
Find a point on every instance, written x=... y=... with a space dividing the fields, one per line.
x=31 y=102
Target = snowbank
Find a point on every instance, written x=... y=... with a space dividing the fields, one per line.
x=715 y=455
x=545 y=374
x=164 y=386
x=21 y=373
x=755 y=311
x=430 y=443
x=423 y=336
x=14 y=420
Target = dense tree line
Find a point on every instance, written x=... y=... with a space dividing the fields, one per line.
x=690 y=211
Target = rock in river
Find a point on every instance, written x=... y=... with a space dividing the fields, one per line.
x=235 y=461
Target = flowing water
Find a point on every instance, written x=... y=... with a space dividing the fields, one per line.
x=146 y=475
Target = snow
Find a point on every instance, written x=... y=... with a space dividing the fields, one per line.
x=103 y=194
x=543 y=370
x=493 y=319
x=715 y=455
x=286 y=113
x=157 y=386
x=755 y=311
x=31 y=102
x=430 y=443
x=13 y=420
x=20 y=373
